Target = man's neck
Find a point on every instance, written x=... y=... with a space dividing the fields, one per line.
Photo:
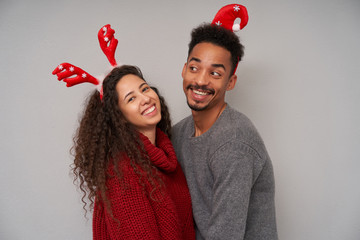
x=203 y=120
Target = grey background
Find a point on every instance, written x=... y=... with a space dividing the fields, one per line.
x=298 y=82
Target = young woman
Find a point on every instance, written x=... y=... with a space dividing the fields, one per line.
x=126 y=164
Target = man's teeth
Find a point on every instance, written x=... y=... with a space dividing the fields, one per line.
x=200 y=93
x=150 y=110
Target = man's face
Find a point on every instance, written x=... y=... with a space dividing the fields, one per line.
x=206 y=76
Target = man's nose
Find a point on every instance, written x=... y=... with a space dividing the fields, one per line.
x=202 y=79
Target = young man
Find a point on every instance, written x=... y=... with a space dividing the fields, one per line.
x=228 y=170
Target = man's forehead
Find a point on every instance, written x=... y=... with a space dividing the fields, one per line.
x=209 y=52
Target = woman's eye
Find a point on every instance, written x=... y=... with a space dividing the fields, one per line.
x=131 y=99
x=145 y=89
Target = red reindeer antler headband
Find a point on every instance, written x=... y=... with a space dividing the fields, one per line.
x=227 y=15
x=108 y=44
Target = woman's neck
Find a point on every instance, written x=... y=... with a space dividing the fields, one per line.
x=150 y=134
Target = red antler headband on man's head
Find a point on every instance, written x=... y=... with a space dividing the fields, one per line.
x=227 y=15
x=108 y=44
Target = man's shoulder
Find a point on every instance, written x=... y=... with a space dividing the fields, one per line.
x=236 y=121
x=182 y=124
x=180 y=129
x=237 y=129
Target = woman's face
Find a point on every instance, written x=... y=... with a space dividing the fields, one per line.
x=138 y=102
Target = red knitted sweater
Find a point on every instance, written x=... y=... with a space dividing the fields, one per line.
x=139 y=216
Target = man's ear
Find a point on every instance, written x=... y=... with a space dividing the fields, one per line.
x=183 y=71
x=231 y=83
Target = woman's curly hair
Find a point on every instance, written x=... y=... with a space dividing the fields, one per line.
x=104 y=134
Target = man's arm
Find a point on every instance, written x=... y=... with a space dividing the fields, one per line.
x=232 y=169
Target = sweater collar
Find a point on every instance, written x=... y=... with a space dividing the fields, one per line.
x=162 y=155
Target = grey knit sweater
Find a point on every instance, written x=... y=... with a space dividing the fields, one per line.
x=230 y=177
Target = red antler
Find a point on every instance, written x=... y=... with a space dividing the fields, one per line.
x=226 y=16
x=65 y=70
x=108 y=43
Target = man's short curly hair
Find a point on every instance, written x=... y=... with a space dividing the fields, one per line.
x=219 y=36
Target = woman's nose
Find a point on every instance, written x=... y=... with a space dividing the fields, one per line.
x=145 y=99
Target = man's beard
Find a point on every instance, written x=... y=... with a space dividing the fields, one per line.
x=196 y=108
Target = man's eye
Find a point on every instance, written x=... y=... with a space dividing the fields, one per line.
x=193 y=68
x=216 y=74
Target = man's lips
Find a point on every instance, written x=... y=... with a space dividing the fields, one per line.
x=201 y=90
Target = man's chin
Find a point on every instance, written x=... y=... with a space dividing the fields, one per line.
x=196 y=107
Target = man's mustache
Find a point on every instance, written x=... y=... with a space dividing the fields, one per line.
x=202 y=88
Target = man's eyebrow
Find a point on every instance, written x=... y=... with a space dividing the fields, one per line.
x=194 y=59
x=218 y=65
x=215 y=65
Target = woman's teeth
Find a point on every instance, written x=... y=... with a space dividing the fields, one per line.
x=149 y=110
